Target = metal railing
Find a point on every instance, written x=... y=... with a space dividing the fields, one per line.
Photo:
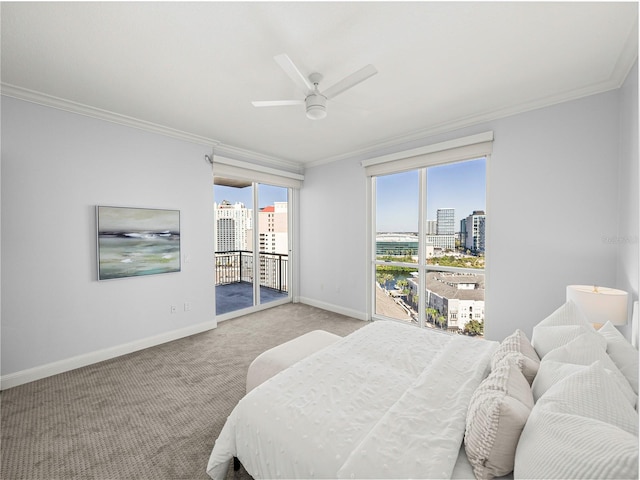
x=236 y=266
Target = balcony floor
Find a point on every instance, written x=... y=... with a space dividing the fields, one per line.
x=235 y=296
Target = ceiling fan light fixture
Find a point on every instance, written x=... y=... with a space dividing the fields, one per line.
x=316 y=106
x=315 y=100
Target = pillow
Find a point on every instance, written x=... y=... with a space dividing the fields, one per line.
x=497 y=413
x=518 y=348
x=582 y=427
x=585 y=350
x=559 y=328
x=594 y=394
x=560 y=446
x=623 y=354
x=551 y=372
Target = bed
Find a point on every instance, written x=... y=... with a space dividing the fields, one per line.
x=394 y=401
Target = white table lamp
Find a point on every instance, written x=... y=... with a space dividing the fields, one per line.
x=600 y=304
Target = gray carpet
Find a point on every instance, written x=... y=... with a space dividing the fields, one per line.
x=153 y=414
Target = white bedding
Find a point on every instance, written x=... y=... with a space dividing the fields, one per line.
x=389 y=400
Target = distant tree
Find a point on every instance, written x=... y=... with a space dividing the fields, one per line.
x=383 y=278
x=403 y=285
x=415 y=300
x=442 y=321
x=474 y=327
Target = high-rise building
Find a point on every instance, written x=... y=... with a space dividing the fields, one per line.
x=431 y=227
x=445 y=221
x=475 y=231
x=273 y=244
x=234 y=223
x=272 y=228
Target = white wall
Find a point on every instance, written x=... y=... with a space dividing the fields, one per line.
x=332 y=241
x=552 y=196
x=628 y=232
x=56 y=166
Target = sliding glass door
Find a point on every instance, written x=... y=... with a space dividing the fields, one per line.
x=251 y=241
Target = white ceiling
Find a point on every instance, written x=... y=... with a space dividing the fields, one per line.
x=196 y=67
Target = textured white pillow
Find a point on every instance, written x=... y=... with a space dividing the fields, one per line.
x=582 y=350
x=594 y=394
x=585 y=350
x=517 y=348
x=497 y=413
x=622 y=353
x=582 y=427
x=561 y=446
x=559 y=328
x=551 y=372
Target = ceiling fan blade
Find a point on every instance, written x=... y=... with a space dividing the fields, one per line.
x=290 y=69
x=277 y=103
x=350 y=81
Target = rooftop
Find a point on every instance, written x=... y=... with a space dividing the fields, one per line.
x=446 y=284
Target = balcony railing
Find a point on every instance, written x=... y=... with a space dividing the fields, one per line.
x=236 y=266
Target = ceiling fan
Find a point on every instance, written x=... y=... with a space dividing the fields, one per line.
x=315 y=100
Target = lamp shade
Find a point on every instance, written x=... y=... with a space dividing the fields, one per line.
x=600 y=304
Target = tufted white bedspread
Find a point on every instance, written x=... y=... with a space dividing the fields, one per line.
x=387 y=401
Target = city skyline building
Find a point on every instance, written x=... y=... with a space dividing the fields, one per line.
x=273 y=238
x=233 y=221
x=474 y=238
x=443 y=242
x=272 y=228
x=445 y=221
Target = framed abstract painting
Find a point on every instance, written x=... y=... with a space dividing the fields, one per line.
x=137 y=241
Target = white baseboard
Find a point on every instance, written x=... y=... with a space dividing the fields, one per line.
x=61 y=366
x=333 y=308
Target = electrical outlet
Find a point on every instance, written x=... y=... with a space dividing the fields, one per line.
x=173 y=309
x=187 y=306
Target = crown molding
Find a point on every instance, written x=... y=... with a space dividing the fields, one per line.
x=628 y=56
x=625 y=62
x=619 y=73
x=89 y=111
x=399 y=142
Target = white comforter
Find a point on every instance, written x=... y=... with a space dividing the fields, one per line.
x=389 y=400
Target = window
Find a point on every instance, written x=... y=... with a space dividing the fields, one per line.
x=429 y=238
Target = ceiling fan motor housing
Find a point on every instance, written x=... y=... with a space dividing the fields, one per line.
x=316 y=106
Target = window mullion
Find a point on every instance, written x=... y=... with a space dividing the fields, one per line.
x=422 y=215
x=256 y=247
x=371 y=224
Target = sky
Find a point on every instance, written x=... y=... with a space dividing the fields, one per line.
x=460 y=185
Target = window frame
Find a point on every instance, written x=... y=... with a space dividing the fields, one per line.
x=452 y=151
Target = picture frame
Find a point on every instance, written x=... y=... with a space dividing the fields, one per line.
x=133 y=242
